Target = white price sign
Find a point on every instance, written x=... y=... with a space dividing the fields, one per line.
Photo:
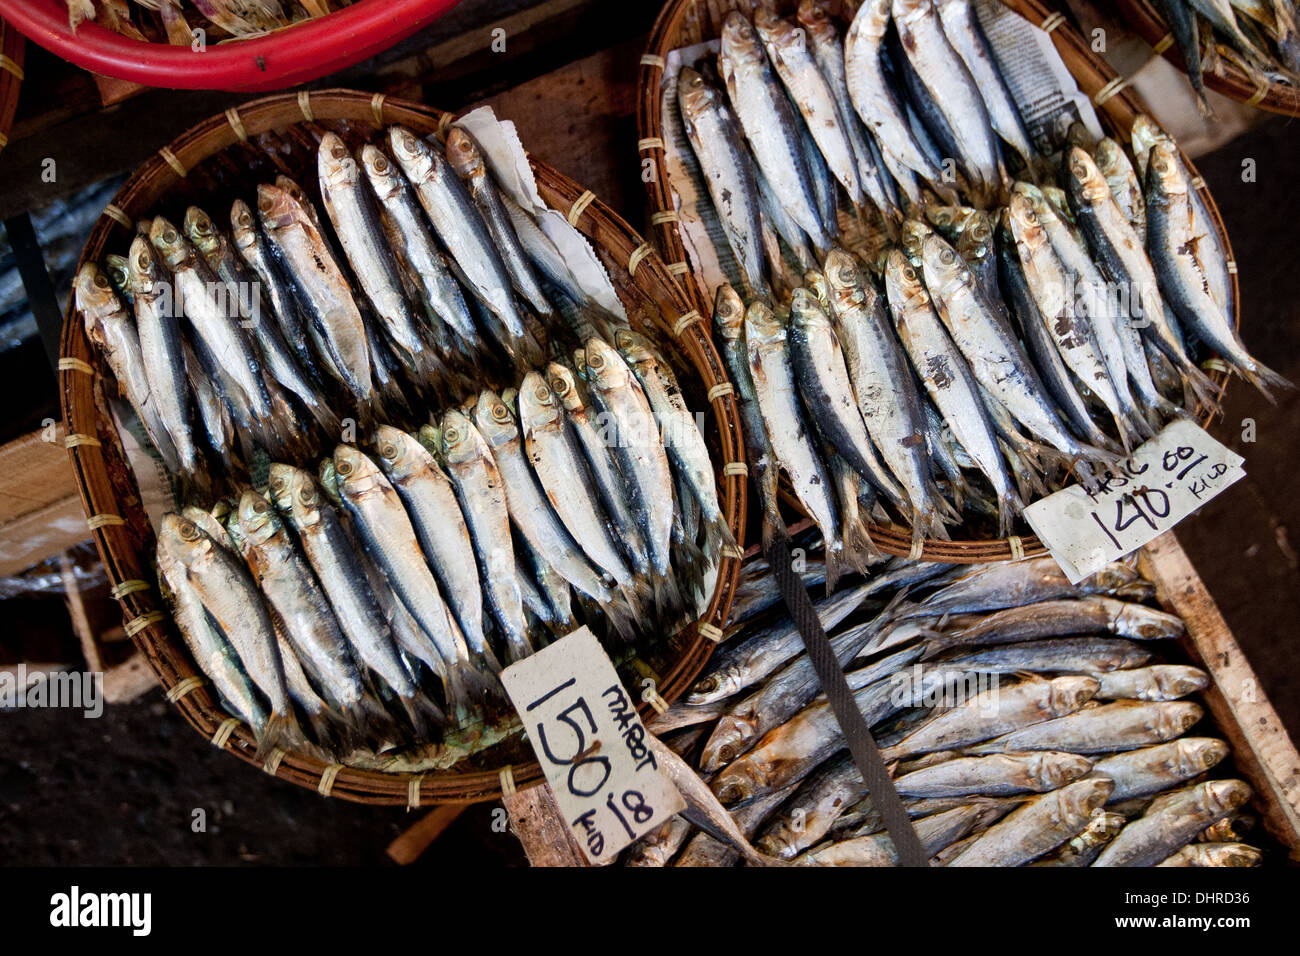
x=1163 y=482
x=590 y=741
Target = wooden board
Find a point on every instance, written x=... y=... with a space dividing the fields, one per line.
x=1261 y=746
x=40 y=512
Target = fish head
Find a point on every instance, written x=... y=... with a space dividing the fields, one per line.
x=461 y=441
x=292 y=490
x=942 y=264
x=257 y=520
x=1222 y=796
x=296 y=192
x=1078 y=800
x=844 y=280
x=183 y=539
x=763 y=326
x=1145 y=133
x=1058 y=201
x=171 y=245
x=329 y=481
x=806 y=311
x=1113 y=576
x=276 y=207
x=1109 y=157
x=95 y=296
x=354 y=473
x=815 y=282
x=564 y=385
x=201 y=231
x=381 y=172
x=730 y=738
x=903 y=285
x=1177 y=680
x=243 y=227
x=1174 y=718
x=511 y=397
x=1068 y=694
x=334 y=164
x=737 y=783
x=413 y=153
x=816 y=19
x=606 y=369
x=1137 y=620
x=143 y=270
x=464 y=155
x=634 y=347
x=1194 y=755
x=740 y=42
x=540 y=408
x=1086 y=180
x=912 y=235
x=909 y=11
x=728 y=313
x=1130 y=655
x=778 y=32
x=1054 y=769
x=872 y=19
x=1232 y=854
x=400 y=454
x=712 y=687
x=493 y=419
x=1164 y=170
x=117 y=268
x=1022 y=219
x=430 y=437
x=695 y=95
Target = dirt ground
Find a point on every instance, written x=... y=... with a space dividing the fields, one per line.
x=123 y=789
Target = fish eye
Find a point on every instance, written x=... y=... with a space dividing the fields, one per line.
x=596 y=361
x=559 y=386
x=388 y=451
x=500 y=413
x=381 y=164
x=946 y=257
x=451 y=435
x=245 y=218
x=339 y=151
x=307 y=496
x=543 y=394
x=189 y=531
x=408 y=141
x=343 y=468
x=260 y=506
x=277 y=486
x=169 y=235
x=143 y=261
x=101 y=281
x=909 y=274
x=265 y=203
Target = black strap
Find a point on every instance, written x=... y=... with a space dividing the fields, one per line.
x=36 y=281
x=862 y=745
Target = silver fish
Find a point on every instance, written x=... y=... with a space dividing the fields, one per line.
x=1215 y=854
x=1122 y=725
x=1042 y=824
x=255 y=252
x=999 y=775
x=769 y=123
x=1172 y=821
x=1149 y=769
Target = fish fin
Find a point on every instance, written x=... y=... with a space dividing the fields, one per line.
x=277 y=733
x=719 y=531
x=1201 y=385
x=480 y=688
x=1009 y=507
x=834 y=565
x=425 y=716
x=1264 y=378
x=621 y=619
x=859 y=549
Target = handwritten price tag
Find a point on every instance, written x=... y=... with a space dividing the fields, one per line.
x=1161 y=484
x=591 y=744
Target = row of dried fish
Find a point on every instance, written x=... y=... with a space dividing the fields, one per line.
x=1024 y=721
x=1007 y=333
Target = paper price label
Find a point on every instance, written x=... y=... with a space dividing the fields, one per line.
x=591 y=744
x=1163 y=482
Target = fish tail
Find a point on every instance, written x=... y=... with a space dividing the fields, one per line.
x=621 y=620
x=1202 y=386
x=719 y=531
x=277 y=734
x=476 y=687
x=1009 y=507
x=834 y=564
x=1264 y=378
x=516 y=650
x=860 y=550
x=425 y=716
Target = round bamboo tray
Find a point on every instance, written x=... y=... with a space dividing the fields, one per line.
x=686 y=22
x=1230 y=79
x=217 y=151
x=11 y=77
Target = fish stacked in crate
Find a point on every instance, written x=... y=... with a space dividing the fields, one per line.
x=409 y=446
x=172 y=21
x=1260 y=38
x=931 y=320
x=1024 y=720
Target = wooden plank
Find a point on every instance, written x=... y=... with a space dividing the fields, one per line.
x=535 y=818
x=408 y=847
x=40 y=511
x=1261 y=746
x=77 y=612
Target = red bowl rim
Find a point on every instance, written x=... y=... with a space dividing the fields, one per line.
x=282 y=59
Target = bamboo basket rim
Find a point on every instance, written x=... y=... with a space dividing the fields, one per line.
x=1235 y=83
x=1117 y=105
x=13 y=50
x=115 y=519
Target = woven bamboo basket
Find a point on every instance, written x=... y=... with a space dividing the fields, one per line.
x=220 y=150
x=686 y=22
x=11 y=77
x=1231 y=80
